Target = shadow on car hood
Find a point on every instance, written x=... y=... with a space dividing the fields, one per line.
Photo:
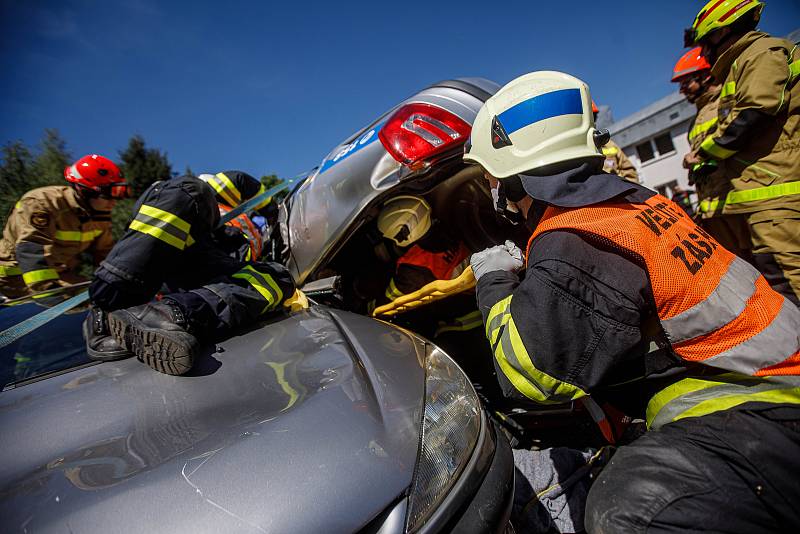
x=307 y=424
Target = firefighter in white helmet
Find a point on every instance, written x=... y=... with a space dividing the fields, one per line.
x=612 y=267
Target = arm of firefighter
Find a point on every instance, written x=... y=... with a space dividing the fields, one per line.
x=560 y=332
x=37 y=228
x=759 y=92
x=270 y=280
x=625 y=168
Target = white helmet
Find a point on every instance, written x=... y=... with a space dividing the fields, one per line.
x=538 y=119
x=405 y=219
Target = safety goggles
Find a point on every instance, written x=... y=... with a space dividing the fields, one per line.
x=115 y=191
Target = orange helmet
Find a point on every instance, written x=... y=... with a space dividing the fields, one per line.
x=595 y=109
x=691 y=62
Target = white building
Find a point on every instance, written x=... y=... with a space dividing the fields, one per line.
x=654 y=138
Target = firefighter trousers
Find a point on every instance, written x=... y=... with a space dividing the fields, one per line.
x=733 y=471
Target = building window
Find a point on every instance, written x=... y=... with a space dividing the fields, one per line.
x=664 y=144
x=645 y=151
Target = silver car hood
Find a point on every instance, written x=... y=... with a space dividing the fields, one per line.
x=307 y=424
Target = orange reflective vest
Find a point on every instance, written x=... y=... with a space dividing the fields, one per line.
x=248 y=228
x=714 y=307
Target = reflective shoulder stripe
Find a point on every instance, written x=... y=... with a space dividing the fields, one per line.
x=157 y=233
x=700 y=129
x=517 y=366
x=694 y=397
x=165 y=216
x=728 y=89
x=77 y=235
x=162 y=225
x=715 y=150
x=40 y=275
x=264 y=284
x=10 y=271
x=794 y=69
x=610 y=151
x=709 y=205
x=725 y=303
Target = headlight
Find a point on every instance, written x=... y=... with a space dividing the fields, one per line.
x=450 y=429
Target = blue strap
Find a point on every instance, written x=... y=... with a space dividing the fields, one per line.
x=27 y=326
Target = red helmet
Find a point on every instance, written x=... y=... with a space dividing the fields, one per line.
x=691 y=62
x=97 y=176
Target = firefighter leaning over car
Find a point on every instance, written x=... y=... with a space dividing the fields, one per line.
x=616 y=161
x=50 y=227
x=756 y=145
x=242 y=236
x=612 y=267
x=170 y=241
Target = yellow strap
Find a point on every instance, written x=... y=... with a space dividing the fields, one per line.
x=702 y=128
x=40 y=275
x=610 y=151
x=158 y=233
x=10 y=271
x=715 y=150
x=166 y=216
x=728 y=89
x=77 y=235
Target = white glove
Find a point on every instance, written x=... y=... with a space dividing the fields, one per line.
x=506 y=257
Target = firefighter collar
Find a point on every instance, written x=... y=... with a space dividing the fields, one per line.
x=723 y=64
x=576 y=188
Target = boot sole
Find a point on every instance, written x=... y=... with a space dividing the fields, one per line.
x=167 y=352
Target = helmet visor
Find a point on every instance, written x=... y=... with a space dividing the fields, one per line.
x=116 y=191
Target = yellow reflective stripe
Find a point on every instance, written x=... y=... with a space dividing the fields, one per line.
x=728 y=89
x=715 y=150
x=777 y=396
x=461 y=324
x=517 y=366
x=497 y=318
x=158 y=233
x=10 y=271
x=189 y=241
x=271 y=292
x=702 y=128
x=77 y=235
x=709 y=205
x=794 y=69
x=40 y=275
x=609 y=151
x=763 y=193
x=392 y=292
x=166 y=217
x=225 y=188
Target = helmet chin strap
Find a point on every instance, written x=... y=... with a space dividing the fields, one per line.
x=508 y=211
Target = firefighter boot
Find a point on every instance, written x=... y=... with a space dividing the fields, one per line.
x=100 y=345
x=157 y=333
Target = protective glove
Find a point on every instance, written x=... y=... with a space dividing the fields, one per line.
x=506 y=257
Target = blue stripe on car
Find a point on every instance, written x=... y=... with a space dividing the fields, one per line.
x=542 y=107
x=345 y=152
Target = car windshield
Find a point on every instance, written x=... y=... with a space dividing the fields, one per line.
x=56 y=346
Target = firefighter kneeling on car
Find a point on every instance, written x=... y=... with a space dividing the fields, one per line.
x=171 y=241
x=612 y=266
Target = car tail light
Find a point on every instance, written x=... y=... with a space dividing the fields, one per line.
x=415 y=132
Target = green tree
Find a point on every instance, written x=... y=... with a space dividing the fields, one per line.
x=270 y=181
x=142 y=166
x=21 y=171
x=53 y=157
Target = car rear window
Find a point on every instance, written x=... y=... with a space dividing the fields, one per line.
x=56 y=346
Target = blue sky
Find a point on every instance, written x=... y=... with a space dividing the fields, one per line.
x=272 y=86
